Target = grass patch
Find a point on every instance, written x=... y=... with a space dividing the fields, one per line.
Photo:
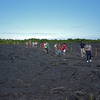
x=11 y=41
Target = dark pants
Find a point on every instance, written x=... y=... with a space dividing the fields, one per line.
x=46 y=50
x=88 y=55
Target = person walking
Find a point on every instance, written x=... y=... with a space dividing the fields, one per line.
x=88 y=50
x=46 y=46
x=82 y=45
x=64 y=48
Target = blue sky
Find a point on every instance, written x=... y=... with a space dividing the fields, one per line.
x=72 y=18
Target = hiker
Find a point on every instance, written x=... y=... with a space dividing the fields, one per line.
x=64 y=48
x=46 y=47
x=34 y=44
x=42 y=45
x=29 y=44
x=58 y=49
x=82 y=45
x=26 y=44
x=88 y=50
x=55 y=48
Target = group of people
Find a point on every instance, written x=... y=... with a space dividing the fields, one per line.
x=86 y=50
x=30 y=44
x=62 y=48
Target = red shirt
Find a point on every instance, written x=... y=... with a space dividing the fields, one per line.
x=64 y=46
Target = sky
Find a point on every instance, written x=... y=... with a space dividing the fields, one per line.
x=63 y=19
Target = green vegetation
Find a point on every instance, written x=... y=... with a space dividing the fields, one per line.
x=9 y=41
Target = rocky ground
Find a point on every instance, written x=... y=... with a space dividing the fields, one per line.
x=30 y=74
